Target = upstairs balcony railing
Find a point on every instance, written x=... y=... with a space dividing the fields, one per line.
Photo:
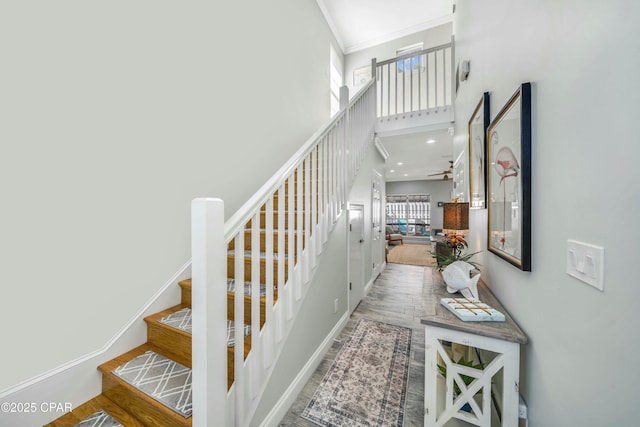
x=416 y=88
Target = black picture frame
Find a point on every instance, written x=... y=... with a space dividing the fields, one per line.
x=509 y=181
x=477 y=130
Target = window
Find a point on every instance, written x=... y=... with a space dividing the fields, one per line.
x=410 y=213
x=409 y=63
x=335 y=80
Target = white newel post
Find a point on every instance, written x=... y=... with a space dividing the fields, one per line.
x=209 y=306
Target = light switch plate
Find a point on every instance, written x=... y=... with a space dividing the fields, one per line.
x=585 y=262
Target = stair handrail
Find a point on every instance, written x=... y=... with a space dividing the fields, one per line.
x=237 y=221
x=317 y=179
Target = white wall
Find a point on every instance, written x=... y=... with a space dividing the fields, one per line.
x=114 y=116
x=432 y=37
x=579 y=367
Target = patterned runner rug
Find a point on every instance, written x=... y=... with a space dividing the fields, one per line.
x=367 y=383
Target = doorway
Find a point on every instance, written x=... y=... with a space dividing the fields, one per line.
x=356 y=255
x=377 y=242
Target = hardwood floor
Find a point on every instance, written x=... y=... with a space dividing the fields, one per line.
x=395 y=298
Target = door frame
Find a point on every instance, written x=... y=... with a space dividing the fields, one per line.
x=351 y=251
x=378 y=243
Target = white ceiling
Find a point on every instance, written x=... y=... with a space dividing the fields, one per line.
x=419 y=159
x=359 y=24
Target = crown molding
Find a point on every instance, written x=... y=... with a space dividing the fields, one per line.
x=397 y=34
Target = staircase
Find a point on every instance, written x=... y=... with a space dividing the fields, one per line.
x=272 y=246
x=127 y=404
x=168 y=335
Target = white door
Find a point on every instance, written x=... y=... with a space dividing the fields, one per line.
x=356 y=258
x=377 y=240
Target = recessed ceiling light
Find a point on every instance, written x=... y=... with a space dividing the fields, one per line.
x=400 y=163
x=392 y=170
x=406 y=174
x=431 y=141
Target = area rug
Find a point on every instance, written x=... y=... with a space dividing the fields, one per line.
x=367 y=383
x=412 y=254
x=99 y=419
x=160 y=378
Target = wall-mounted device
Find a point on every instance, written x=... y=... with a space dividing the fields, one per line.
x=464 y=70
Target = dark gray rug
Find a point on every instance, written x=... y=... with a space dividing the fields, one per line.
x=367 y=383
x=164 y=380
x=99 y=419
x=180 y=320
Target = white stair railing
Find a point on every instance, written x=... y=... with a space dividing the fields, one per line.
x=271 y=245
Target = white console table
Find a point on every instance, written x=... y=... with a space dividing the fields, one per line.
x=501 y=340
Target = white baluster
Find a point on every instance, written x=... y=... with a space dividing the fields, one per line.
x=238 y=351
x=267 y=335
x=255 y=305
x=299 y=232
x=282 y=202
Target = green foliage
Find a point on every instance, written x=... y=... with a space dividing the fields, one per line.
x=444 y=260
x=465 y=378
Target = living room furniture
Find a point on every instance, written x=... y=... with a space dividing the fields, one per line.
x=411 y=213
x=499 y=342
x=392 y=235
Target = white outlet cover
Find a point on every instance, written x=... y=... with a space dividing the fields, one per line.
x=585 y=262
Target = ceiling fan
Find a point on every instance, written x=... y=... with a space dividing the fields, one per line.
x=445 y=173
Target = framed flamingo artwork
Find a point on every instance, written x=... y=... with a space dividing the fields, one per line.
x=509 y=180
x=478 y=153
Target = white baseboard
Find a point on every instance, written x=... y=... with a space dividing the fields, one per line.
x=368 y=286
x=280 y=409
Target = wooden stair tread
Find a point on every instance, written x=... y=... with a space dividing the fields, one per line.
x=231 y=357
x=159 y=315
x=88 y=408
x=149 y=410
x=185 y=287
x=172 y=340
x=112 y=364
x=187 y=283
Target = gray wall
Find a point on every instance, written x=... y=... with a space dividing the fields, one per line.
x=579 y=367
x=361 y=193
x=115 y=115
x=439 y=190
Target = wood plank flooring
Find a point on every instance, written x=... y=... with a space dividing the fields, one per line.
x=396 y=298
